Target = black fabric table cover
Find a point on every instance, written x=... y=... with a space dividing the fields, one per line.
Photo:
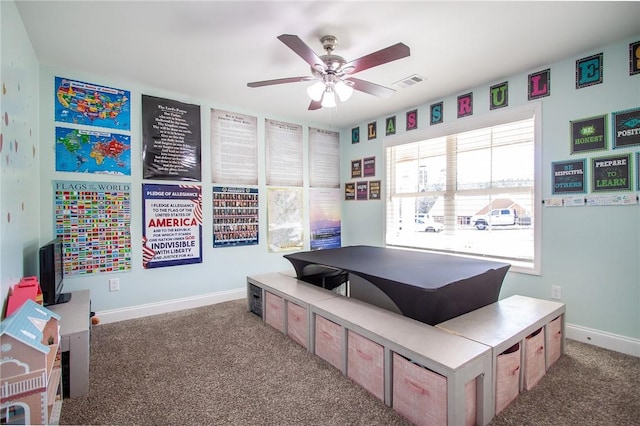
x=427 y=287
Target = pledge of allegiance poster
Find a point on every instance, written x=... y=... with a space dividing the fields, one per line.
x=88 y=104
x=172 y=228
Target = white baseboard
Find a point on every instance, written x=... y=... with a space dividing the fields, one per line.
x=603 y=339
x=139 y=311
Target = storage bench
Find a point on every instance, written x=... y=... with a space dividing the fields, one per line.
x=457 y=370
x=284 y=304
x=536 y=325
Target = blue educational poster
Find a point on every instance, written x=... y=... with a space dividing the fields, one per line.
x=87 y=104
x=90 y=151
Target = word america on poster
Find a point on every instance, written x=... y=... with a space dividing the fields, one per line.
x=172 y=228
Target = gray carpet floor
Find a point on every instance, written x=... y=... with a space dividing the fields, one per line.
x=221 y=365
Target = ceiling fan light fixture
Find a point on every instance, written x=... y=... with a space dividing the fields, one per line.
x=329 y=99
x=316 y=90
x=343 y=90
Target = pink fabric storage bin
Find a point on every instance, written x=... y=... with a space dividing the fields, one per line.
x=328 y=339
x=420 y=395
x=554 y=346
x=534 y=359
x=274 y=311
x=365 y=363
x=507 y=377
x=297 y=323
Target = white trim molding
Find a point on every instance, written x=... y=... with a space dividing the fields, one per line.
x=614 y=342
x=139 y=311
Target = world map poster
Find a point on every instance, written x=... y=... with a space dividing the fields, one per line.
x=87 y=104
x=89 y=151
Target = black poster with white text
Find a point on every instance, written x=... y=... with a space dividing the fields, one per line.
x=171 y=139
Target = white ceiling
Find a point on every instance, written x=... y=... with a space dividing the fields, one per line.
x=210 y=50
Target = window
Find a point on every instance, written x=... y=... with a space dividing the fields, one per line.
x=468 y=191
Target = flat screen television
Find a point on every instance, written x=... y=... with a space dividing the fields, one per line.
x=52 y=273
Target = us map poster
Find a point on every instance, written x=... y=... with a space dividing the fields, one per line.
x=172 y=228
x=88 y=104
x=235 y=216
x=171 y=140
x=93 y=220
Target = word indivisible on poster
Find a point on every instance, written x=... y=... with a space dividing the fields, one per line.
x=172 y=225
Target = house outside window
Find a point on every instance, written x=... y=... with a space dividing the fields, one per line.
x=469 y=190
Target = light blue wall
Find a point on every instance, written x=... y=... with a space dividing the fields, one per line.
x=19 y=152
x=593 y=253
x=222 y=269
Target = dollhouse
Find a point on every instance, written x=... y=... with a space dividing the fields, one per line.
x=30 y=372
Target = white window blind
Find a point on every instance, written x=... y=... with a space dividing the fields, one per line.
x=479 y=184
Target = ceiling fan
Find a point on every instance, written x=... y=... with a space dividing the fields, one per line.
x=333 y=74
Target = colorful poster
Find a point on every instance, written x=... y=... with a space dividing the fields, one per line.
x=91 y=151
x=324 y=216
x=369 y=166
x=171 y=140
x=362 y=190
x=88 y=104
x=235 y=216
x=172 y=227
x=589 y=134
x=569 y=176
x=284 y=217
x=612 y=173
x=349 y=191
x=93 y=220
x=626 y=128
x=374 y=190
x=356 y=168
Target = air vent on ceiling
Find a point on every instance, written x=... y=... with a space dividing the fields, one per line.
x=409 y=81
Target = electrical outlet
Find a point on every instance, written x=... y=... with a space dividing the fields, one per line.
x=556 y=292
x=114 y=284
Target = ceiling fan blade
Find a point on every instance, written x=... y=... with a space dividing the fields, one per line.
x=314 y=105
x=389 y=54
x=279 y=81
x=294 y=43
x=371 y=88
